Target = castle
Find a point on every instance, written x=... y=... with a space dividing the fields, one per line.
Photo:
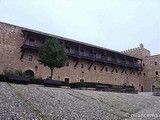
x=86 y=62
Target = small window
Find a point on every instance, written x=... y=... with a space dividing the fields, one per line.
x=106 y=69
x=30 y=57
x=156 y=72
x=116 y=70
x=155 y=63
x=94 y=67
x=144 y=74
x=82 y=66
x=143 y=64
x=81 y=80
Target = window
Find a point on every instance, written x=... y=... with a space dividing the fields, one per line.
x=68 y=49
x=81 y=80
x=82 y=66
x=156 y=72
x=155 y=63
x=30 y=57
x=143 y=64
x=94 y=67
x=116 y=70
x=106 y=69
x=144 y=74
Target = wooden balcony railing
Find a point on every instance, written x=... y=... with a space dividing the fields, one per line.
x=105 y=59
x=30 y=45
x=92 y=57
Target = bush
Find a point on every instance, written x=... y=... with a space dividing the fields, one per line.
x=19 y=73
x=8 y=73
x=2 y=78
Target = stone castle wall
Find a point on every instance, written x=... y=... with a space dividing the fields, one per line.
x=149 y=68
x=152 y=71
x=11 y=40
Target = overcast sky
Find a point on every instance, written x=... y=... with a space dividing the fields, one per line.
x=113 y=24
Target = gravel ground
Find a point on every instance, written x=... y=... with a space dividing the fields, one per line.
x=25 y=102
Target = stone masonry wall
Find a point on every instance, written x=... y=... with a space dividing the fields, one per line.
x=11 y=40
x=152 y=71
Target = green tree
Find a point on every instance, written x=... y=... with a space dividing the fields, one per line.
x=52 y=54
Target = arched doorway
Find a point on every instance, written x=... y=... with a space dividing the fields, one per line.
x=141 y=88
x=153 y=86
x=29 y=73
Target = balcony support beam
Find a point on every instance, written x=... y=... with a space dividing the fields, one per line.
x=91 y=64
x=140 y=72
x=103 y=67
x=114 y=67
x=22 y=54
x=131 y=72
x=77 y=61
x=123 y=70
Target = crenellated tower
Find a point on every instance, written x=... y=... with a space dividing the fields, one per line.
x=139 y=52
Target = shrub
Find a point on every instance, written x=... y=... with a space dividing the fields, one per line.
x=2 y=78
x=8 y=73
x=19 y=73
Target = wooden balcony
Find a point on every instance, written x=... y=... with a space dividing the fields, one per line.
x=30 y=45
x=91 y=57
x=107 y=60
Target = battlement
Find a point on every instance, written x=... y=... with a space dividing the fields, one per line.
x=139 y=52
x=131 y=50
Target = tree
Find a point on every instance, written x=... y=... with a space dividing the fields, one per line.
x=52 y=54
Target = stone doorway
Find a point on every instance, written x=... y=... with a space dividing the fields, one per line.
x=29 y=73
x=153 y=87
